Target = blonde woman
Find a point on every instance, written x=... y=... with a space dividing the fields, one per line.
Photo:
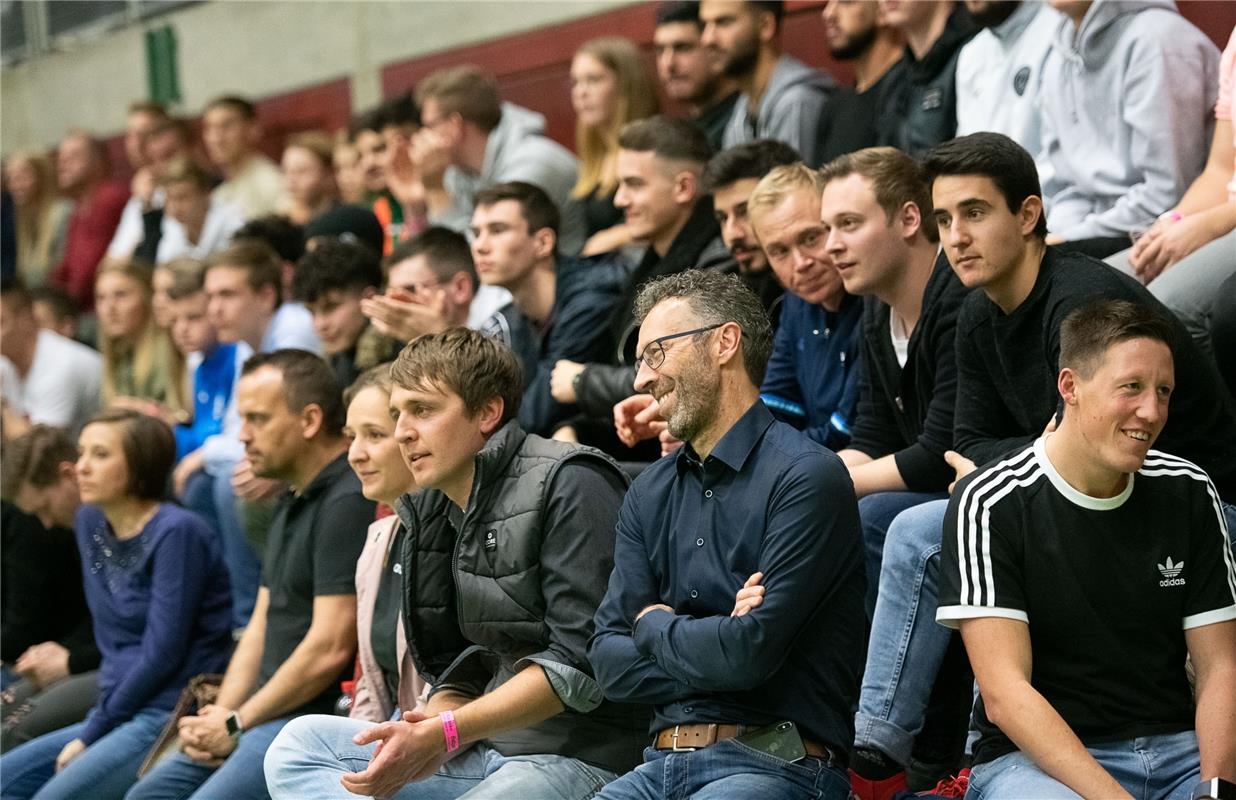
x=42 y=216
x=141 y=367
x=610 y=86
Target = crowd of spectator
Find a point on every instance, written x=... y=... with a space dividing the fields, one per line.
x=797 y=444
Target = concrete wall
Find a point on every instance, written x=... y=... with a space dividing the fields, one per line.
x=255 y=47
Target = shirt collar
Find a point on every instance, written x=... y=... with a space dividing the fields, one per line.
x=326 y=477
x=736 y=446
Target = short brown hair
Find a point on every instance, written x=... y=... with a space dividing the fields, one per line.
x=188 y=276
x=149 y=450
x=536 y=207
x=466 y=91
x=1088 y=331
x=317 y=143
x=465 y=362
x=261 y=264
x=446 y=252
x=34 y=458
x=667 y=138
x=307 y=381
x=148 y=107
x=378 y=377
x=895 y=178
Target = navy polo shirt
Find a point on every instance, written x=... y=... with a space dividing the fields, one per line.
x=689 y=534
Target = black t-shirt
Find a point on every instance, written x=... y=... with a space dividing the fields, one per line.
x=1106 y=586
x=854 y=120
x=386 y=607
x=314 y=542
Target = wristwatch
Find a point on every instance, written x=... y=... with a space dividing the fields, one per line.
x=234 y=726
x=1215 y=788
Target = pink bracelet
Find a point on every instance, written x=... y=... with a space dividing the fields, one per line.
x=450 y=731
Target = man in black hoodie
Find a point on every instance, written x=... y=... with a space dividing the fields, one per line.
x=925 y=103
x=660 y=161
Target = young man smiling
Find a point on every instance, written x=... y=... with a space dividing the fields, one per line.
x=1104 y=562
x=510 y=541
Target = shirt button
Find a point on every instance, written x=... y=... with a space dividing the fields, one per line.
x=708 y=493
x=699 y=542
x=694 y=594
x=815 y=332
x=688 y=709
x=654 y=659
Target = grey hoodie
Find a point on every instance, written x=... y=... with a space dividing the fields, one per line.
x=519 y=150
x=789 y=110
x=1126 y=120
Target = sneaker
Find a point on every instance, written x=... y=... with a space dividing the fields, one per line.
x=867 y=789
x=955 y=786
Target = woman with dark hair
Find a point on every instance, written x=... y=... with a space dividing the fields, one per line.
x=158 y=592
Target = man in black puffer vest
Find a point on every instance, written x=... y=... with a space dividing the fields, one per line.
x=509 y=547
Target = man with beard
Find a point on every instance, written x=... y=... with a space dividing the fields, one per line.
x=856 y=32
x=782 y=97
x=690 y=74
x=999 y=70
x=730 y=178
x=751 y=687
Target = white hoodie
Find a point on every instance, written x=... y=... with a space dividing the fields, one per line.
x=1126 y=119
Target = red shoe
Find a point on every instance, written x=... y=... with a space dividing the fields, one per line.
x=952 y=787
x=866 y=789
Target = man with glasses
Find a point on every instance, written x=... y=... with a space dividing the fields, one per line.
x=431 y=285
x=735 y=604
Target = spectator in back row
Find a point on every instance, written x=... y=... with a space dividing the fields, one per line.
x=860 y=116
x=45 y=377
x=158 y=594
x=1124 y=131
x=308 y=182
x=82 y=171
x=143 y=119
x=691 y=74
x=144 y=221
x=195 y=223
x=301 y=640
x=923 y=106
x=470 y=139
x=231 y=133
x=782 y=98
x=42 y=216
x=609 y=88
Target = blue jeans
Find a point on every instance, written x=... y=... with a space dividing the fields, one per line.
x=243 y=566
x=239 y=778
x=906 y=645
x=1151 y=767
x=877 y=511
x=313 y=752
x=103 y=771
x=726 y=770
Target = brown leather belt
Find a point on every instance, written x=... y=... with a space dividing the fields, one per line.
x=694 y=737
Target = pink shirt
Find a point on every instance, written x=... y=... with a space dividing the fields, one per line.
x=1223 y=108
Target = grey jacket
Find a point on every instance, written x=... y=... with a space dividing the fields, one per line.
x=789 y=110
x=514 y=580
x=519 y=150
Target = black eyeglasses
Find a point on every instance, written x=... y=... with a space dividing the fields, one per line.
x=654 y=351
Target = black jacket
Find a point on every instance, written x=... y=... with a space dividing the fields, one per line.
x=578 y=330
x=924 y=103
x=697 y=246
x=43 y=596
x=909 y=411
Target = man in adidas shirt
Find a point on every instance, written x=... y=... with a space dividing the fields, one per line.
x=1102 y=563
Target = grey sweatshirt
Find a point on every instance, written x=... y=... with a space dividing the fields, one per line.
x=789 y=110
x=1126 y=120
x=519 y=150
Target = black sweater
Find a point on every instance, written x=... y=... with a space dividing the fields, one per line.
x=909 y=411
x=1007 y=366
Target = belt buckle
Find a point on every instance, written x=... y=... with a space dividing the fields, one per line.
x=674 y=739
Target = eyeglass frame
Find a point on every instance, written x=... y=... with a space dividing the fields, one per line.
x=659 y=343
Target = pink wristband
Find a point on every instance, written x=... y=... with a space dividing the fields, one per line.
x=450 y=731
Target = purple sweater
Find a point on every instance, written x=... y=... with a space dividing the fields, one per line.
x=161 y=607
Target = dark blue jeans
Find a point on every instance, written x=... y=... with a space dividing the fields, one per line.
x=727 y=770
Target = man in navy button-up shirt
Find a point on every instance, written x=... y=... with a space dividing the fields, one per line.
x=737 y=591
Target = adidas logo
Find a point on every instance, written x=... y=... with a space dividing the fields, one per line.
x=1170 y=571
